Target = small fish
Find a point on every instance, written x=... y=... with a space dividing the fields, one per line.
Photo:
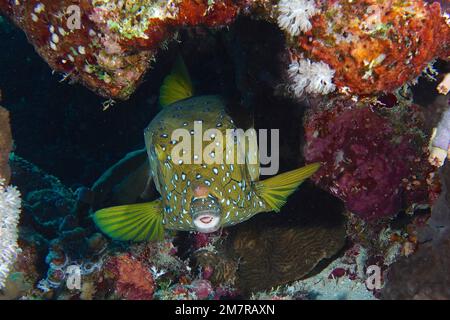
x=201 y=197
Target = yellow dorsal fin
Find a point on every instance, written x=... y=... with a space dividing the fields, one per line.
x=136 y=222
x=276 y=190
x=177 y=85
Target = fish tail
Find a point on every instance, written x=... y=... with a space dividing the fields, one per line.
x=276 y=190
x=137 y=222
x=177 y=85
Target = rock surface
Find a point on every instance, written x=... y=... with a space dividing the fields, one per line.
x=5 y=145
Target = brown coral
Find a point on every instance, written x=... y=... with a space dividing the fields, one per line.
x=273 y=256
x=109 y=46
x=223 y=269
x=5 y=145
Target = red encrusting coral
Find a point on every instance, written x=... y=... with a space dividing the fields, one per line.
x=220 y=13
x=376 y=163
x=376 y=46
x=133 y=281
x=111 y=50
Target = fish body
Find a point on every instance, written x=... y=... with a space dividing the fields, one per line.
x=227 y=181
x=206 y=176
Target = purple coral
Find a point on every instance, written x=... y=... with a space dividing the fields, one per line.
x=366 y=162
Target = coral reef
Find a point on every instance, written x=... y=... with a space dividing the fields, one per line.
x=214 y=266
x=131 y=279
x=373 y=150
x=108 y=45
x=375 y=47
x=373 y=158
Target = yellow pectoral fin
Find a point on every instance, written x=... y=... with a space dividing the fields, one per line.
x=137 y=222
x=276 y=190
x=177 y=85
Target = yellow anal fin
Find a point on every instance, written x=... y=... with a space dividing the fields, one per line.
x=177 y=85
x=276 y=190
x=136 y=222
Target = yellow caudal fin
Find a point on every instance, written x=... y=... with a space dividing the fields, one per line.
x=137 y=222
x=177 y=85
x=276 y=190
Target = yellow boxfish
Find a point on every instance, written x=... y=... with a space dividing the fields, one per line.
x=198 y=193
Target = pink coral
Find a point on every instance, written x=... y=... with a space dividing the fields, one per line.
x=368 y=162
x=202 y=240
x=202 y=289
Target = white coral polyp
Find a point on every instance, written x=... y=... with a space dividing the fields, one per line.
x=294 y=15
x=10 y=204
x=311 y=78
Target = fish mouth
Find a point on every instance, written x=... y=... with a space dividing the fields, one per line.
x=206 y=214
x=206 y=219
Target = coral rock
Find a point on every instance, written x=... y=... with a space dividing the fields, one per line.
x=424 y=275
x=107 y=45
x=376 y=47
